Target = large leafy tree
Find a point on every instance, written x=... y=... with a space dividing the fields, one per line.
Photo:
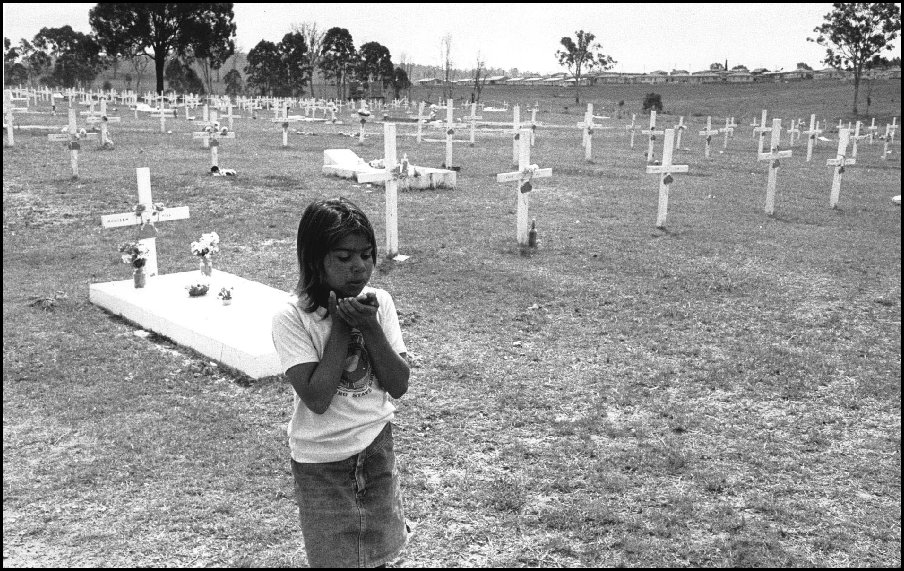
x=160 y=30
x=337 y=57
x=76 y=56
x=374 y=65
x=265 y=70
x=211 y=47
x=293 y=51
x=854 y=33
x=582 y=55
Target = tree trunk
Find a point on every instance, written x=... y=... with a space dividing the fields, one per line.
x=159 y=62
x=856 y=90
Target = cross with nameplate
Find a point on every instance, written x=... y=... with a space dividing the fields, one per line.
x=72 y=137
x=708 y=133
x=211 y=123
x=811 y=134
x=839 y=163
x=213 y=133
x=665 y=170
x=146 y=213
x=793 y=130
x=390 y=177
x=652 y=132
x=773 y=157
x=522 y=178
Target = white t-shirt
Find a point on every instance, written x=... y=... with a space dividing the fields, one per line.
x=361 y=407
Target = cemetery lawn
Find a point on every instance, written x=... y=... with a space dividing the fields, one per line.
x=723 y=392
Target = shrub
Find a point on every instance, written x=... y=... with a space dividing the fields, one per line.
x=652 y=101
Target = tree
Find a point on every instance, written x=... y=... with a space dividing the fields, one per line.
x=804 y=66
x=400 y=81
x=337 y=57
x=180 y=77
x=265 y=69
x=740 y=67
x=293 y=51
x=716 y=67
x=212 y=47
x=234 y=83
x=160 y=29
x=374 y=65
x=76 y=56
x=854 y=33
x=480 y=77
x=582 y=55
x=446 y=58
x=314 y=39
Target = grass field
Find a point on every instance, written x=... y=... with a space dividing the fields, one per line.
x=724 y=392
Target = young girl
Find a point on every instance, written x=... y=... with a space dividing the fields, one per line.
x=341 y=346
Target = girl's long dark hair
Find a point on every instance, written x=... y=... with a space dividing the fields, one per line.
x=323 y=224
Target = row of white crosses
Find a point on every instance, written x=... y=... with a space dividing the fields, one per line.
x=8 y=109
x=145 y=215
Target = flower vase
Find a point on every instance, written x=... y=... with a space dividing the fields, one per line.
x=227 y=302
x=140 y=276
x=206 y=266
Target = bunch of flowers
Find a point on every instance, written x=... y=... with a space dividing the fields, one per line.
x=198 y=288
x=208 y=244
x=135 y=253
x=225 y=293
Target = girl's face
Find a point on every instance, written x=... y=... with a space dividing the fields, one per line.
x=348 y=265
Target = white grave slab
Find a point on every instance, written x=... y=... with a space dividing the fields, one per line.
x=344 y=163
x=237 y=335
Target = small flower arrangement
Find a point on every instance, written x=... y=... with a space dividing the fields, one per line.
x=225 y=293
x=208 y=244
x=135 y=253
x=197 y=289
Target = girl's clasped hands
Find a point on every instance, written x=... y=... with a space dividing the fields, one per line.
x=358 y=312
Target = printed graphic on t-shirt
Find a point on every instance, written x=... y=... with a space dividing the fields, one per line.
x=357 y=377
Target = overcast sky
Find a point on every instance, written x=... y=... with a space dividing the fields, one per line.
x=640 y=37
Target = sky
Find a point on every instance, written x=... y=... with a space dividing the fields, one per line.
x=640 y=37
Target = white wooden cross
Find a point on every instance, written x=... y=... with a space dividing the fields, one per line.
x=72 y=136
x=811 y=134
x=211 y=124
x=522 y=178
x=793 y=130
x=839 y=163
x=762 y=130
x=885 y=141
x=632 y=128
x=161 y=113
x=894 y=129
x=363 y=114
x=450 y=130
x=8 y=109
x=212 y=134
x=665 y=170
x=728 y=129
x=680 y=128
x=708 y=133
x=420 y=120
x=285 y=120
x=516 y=130
x=856 y=138
x=773 y=157
x=588 y=125
x=146 y=213
x=390 y=176
x=103 y=120
x=229 y=115
x=652 y=132
x=473 y=119
x=872 y=129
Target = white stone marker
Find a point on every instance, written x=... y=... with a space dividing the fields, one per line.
x=522 y=179
x=145 y=215
x=811 y=134
x=652 y=132
x=665 y=170
x=390 y=176
x=773 y=157
x=840 y=162
x=708 y=133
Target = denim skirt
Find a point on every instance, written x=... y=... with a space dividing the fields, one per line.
x=351 y=510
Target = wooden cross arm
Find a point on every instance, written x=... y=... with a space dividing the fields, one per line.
x=101 y=119
x=762 y=130
x=383 y=176
x=523 y=175
x=58 y=137
x=666 y=169
x=777 y=155
x=840 y=162
x=132 y=219
x=705 y=133
x=726 y=130
x=652 y=132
